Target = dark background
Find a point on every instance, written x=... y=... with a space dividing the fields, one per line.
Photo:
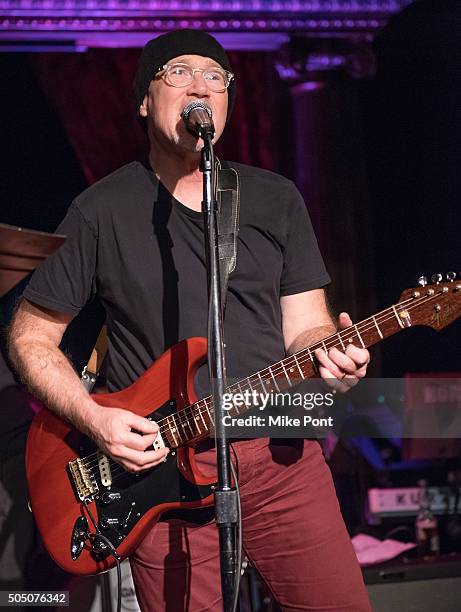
x=68 y=119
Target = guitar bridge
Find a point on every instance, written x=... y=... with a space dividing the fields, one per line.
x=82 y=479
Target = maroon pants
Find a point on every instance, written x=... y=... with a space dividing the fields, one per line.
x=293 y=534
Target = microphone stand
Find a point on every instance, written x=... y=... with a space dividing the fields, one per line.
x=225 y=496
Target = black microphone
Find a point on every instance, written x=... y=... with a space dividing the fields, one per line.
x=197 y=117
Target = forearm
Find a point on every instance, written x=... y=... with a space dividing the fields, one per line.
x=310 y=336
x=49 y=376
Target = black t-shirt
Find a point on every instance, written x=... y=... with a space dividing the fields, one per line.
x=141 y=252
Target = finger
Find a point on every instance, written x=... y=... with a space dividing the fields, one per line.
x=350 y=380
x=332 y=381
x=142 y=424
x=148 y=466
x=343 y=361
x=139 y=442
x=360 y=357
x=141 y=460
x=344 y=320
x=325 y=361
x=152 y=456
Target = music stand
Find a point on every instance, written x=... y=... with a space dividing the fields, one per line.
x=21 y=251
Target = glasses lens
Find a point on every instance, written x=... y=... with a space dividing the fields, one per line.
x=179 y=75
x=216 y=79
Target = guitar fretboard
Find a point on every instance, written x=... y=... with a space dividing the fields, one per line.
x=197 y=420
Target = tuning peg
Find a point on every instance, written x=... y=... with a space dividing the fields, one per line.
x=451 y=276
x=436 y=278
x=422 y=281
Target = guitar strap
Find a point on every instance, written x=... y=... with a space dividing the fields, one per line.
x=91 y=370
x=228 y=200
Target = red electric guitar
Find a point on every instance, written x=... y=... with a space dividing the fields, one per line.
x=73 y=486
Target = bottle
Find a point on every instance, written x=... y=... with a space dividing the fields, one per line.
x=427 y=532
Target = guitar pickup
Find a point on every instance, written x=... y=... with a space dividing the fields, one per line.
x=158 y=442
x=104 y=469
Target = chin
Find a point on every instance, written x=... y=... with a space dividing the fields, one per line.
x=189 y=143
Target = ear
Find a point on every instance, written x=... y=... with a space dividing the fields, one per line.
x=143 y=107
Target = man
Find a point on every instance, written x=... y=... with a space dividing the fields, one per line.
x=135 y=240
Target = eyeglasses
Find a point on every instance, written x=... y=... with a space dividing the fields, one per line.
x=181 y=75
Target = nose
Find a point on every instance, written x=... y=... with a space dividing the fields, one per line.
x=198 y=86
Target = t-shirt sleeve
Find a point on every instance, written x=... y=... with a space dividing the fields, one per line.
x=65 y=281
x=303 y=266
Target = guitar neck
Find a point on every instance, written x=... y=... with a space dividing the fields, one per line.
x=197 y=421
x=435 y=306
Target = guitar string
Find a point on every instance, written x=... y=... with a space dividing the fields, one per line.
x=173 y=419
x=193 y=407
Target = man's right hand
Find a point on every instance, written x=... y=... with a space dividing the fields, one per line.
x=35 y=335
x=126 y=437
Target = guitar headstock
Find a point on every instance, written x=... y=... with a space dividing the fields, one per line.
x=435 y=305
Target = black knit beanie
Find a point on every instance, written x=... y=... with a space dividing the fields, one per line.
x=159 y=50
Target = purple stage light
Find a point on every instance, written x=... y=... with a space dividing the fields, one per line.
x=251 y=25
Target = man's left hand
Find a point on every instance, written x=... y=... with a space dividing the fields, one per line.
x=342 y=370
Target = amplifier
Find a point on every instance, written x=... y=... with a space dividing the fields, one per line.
x=415 y=586
x=404 y=501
